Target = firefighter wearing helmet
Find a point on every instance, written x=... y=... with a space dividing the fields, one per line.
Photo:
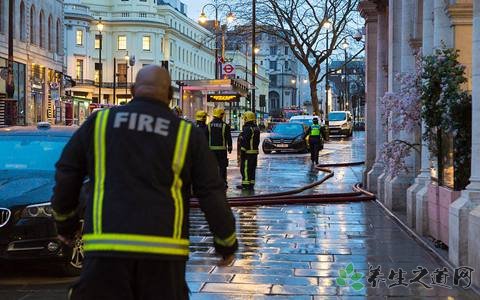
x=201 y=121
x=220 y=140
x=250 y=139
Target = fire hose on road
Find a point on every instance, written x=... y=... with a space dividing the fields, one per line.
x=292 y=197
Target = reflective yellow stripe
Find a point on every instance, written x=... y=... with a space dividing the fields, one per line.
x=209 y=135
x=181 y=146
x=245 y=170
x=135 y=243
x=252 y=151
x=99 y=145
x=218 y=148
x=229 y=241
x=63 y=217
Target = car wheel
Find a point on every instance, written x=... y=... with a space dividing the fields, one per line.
x=76 y=255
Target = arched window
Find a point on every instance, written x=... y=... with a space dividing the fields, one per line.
x=50 y=40
x=33 y=40
x=41 y=31
x=22 y=21
x=58 y=37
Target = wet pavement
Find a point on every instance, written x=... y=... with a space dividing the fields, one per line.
x=293 y=251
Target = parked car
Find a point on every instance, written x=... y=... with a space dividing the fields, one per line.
x=340 y=123
x=27 y=228
x=286 y=137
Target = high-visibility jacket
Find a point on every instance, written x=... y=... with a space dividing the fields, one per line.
x=143 y=163
x=315 y=130
x=250 y=138
x=219 y=135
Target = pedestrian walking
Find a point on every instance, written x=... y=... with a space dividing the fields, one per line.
x=201 y=121
x=249 y=141
x=143 y=163
x=220 y=141
x=315 y=140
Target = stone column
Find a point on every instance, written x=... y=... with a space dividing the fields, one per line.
x=382 y=50
x=458 y=232
x=472 y=193
x=368 y=11
x=395 y=189
x=417 y=200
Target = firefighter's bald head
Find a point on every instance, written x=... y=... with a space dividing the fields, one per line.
x=153 y=82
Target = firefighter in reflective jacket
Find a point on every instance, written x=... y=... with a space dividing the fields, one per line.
x=249 y=141
x=142 y=163
x=220 y=140
x=315 y=140
x=201 y=121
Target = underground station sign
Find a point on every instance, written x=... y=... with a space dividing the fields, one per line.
x=223 y=98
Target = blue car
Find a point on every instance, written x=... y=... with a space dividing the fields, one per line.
x=27 y=167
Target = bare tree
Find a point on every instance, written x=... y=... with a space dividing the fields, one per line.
x=302 y=25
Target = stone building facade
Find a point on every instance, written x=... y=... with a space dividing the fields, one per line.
x=38 y=57
x=395 y=31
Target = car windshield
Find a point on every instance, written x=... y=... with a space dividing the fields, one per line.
x=36 y=153
x=307 y=122
x=337 y=116
x=289 y=129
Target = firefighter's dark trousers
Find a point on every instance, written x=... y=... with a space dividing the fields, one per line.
x=222 y=159
x=248 y=166
x=131 y=279
x=315 y=147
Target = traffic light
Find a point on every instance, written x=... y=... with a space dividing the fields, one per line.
x=235 y=113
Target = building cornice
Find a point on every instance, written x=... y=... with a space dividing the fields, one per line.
x=461 y=13
x=368 y=10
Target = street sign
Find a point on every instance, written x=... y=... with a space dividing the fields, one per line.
x=223 y=98
x=228 y=69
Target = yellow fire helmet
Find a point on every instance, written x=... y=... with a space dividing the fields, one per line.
x=249 y=116
x=218 y=113
x=200 y=115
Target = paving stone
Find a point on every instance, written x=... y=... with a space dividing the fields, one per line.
x=302 y=290
x=237 y=288
x=275 y=279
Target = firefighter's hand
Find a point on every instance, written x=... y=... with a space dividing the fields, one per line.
x=226 y=260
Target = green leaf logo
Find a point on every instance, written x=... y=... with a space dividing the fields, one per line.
x=350 y=277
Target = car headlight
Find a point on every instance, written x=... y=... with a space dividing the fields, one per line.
x=298 y=140
x=267 y=140
x=345 y=126
x=42 y=210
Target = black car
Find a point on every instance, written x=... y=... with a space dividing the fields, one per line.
x=27 y=228
x=286 y=137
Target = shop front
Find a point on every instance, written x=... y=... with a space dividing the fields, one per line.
x=14 y=108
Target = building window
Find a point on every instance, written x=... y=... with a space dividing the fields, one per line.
x=286 y=50
x=32 y=24
x=146 y=43
x=22 y=21
x=273 y=50
x=122 y=42
x=273 y=65
x=50 y=40
x=273 y=80
x=79 y=69
x=41 y=25
x=286 y=66
x=122 y=73
x=58 y=36
x=97 y=41
x=79 y=37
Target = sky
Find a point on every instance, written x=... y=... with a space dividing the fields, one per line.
x=195 y=7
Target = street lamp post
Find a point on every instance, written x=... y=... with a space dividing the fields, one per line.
x=345 y=46
x=327 y=25
x=127 y=58
x=100 y=66
x=254 y=16
x=203 y=18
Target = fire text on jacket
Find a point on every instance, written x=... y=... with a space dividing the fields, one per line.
x=141 y=122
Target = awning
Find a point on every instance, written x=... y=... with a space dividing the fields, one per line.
x=236 y=85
